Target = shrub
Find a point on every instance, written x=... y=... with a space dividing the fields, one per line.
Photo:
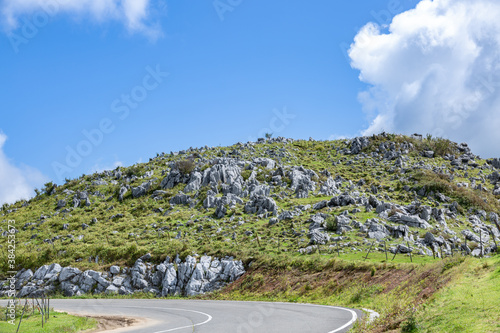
x=331 y=223
x=410 y=325
x=133 y=170
x=246 y=174
x=185 y=166
x=442 y=146
x=49 y=187
x=465 y=197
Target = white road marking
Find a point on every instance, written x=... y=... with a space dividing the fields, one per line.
x=353 y=313
x=209 y=317
x=353 y=319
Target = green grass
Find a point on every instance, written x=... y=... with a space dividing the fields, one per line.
x=58 y=322
x=470 y=304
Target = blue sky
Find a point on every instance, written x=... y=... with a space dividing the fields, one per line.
x=236 y=69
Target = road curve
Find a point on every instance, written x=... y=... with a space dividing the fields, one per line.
x=182 y=316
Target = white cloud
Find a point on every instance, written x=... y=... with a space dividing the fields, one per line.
x=135 y=14
x=100 y=168
x=17 y=182
x=435 y=70
x=338 y=137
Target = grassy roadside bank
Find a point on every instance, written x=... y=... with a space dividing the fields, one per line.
x=470 y=303
x=58 y=322
x=429 y=297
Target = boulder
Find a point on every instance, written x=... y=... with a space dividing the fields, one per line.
x=320 y=205
x=343 y=223
x=122 y=192
x=410 y=220
x=68 y=273
x=169 y=282
x=318 y=237
x=358 y=144
x=301 y=179
x=181 y=199
x=469 y=235
x=141 y=190
x=430 y=239
x=273 y=221
x=114 y=269
x=194 y=183
x=329 y=187
x=265 y=162
x=260 y=205
x=377 y=231
x=112 y=290
x=428 y=153
x=172 y=179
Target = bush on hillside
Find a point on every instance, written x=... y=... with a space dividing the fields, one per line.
x=331 y=224
x=185 y=166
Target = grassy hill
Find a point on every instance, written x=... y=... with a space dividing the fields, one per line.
x=302 y=215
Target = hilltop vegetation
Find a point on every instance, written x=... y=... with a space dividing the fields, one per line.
x=274 y=200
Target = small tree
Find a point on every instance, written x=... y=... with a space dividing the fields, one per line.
x=49 y=187
x=185 y=166
x=331 y=223
x=268 y=135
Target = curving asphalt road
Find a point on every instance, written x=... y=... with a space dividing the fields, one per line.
x=217 y=316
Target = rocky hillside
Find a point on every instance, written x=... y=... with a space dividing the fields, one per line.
x=428 y=196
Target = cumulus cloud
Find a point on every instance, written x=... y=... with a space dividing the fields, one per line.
x=135 y=14
x=435 y=69
x=17 y=182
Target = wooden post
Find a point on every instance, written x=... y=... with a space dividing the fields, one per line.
x=480 y=243
x=369 y=250
x=40 y=307
x=385 y=250
x=466 y=247
x=397 y=249
x=498 y=225
x=338 y=250
x=257 y=237
x=409 y=249
x=22 y=314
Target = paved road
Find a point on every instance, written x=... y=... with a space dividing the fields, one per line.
x=218 y=316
